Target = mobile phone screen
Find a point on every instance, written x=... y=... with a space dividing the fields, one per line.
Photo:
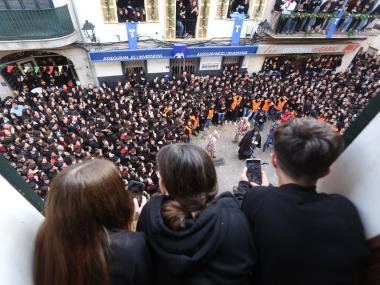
x=254 y=170
x=136 y=188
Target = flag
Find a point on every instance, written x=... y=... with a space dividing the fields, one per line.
x=51 y=69
x=10 y=68
x=334 y=23
x=36 y=69
x=26 y=68
x=132 y=35
x=238 y=24
x=43 y=68
x=60 y=68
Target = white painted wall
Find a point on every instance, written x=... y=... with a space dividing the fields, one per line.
x=104 y=69
x=91 y=10
x=19 y=222
x=158 y=66
x=356 y=175
x=254 y=63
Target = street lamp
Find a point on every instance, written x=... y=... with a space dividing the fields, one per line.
x=88 y=29
x=263 y=27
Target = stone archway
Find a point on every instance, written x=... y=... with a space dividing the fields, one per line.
x=29 y=69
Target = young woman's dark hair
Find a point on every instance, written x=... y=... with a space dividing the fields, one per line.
x=188 y=175
x=191 y=231
x=87 y=201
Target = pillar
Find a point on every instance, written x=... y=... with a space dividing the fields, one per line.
x=254 y=63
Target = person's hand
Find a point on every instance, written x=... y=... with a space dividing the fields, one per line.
x=244 y=177
x=137 y=208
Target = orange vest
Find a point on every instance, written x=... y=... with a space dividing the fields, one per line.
x=267 y=104
x=255 y=105
x=195 y=121
x=280 y=105
x=210 y=114
x=236 y=102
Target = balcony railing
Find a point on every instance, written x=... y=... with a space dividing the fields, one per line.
x=35 y=24
x=308 y=24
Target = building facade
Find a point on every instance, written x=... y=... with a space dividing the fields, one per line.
x=105 y=40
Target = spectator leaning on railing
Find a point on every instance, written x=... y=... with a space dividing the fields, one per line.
x=302 y=236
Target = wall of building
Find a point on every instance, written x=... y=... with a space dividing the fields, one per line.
x=19 y=222
x=356 y=175
x=110 y=32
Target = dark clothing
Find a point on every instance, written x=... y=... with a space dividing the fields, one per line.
x=215 y=248
x=246 y=146
x=129 y=259
x=304 y=237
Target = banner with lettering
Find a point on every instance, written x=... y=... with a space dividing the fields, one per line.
x=238 y=24
x=132 y=35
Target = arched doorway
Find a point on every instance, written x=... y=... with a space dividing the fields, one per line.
x=26 y=70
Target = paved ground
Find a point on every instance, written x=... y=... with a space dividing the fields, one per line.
x=229 y=172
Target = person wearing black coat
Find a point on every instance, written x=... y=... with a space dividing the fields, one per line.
x=249 y=142
x=129 y=259
x=302 y=236
x=195 y=237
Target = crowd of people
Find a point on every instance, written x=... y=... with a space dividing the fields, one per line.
x=285 y=65
x=186 y=18
x=238 y=6
x=130 y=11
x=317 y=15
x=43 y=133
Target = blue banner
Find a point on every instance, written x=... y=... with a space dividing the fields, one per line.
x=238 y=24
x=180 y=51
x=334 y=23
x=132 y=35
x=175 y=52
x=131 y=54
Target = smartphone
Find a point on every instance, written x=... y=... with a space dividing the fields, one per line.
x=137 y=189
x=254 y=170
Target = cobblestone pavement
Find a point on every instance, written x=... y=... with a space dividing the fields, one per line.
x=229 y=172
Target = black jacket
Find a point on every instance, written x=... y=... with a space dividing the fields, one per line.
x=129 y=259
x=215 y=249
x=304 y=237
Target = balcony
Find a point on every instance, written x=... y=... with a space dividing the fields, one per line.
x=316 y=26
x=21 y=25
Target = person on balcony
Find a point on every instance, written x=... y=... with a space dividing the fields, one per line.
x=285 y=22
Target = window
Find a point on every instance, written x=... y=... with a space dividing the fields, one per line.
x=131 y=11
x=251 y=9
x=178 y=66
x=187 y=12
x=109 y=11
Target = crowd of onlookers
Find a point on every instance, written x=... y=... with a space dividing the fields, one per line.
x=42 y=133
x=186 y=18
x=130 y=11
x=318 y=15
x=285 y=65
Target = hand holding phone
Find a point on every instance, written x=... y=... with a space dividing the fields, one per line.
x=254 y=171
x=137 y=189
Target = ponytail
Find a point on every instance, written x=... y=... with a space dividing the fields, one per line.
x=175 y=211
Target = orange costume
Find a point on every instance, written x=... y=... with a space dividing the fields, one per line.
x=255 y=105
x=267 y=104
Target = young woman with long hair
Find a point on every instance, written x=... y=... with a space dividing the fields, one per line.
x=195 y=237
x=85 y=238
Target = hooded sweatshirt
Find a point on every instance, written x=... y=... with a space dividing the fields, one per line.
x=215 y=248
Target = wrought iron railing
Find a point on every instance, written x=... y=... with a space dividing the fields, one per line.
x=35 y=24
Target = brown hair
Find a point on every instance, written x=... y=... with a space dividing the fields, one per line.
x=188 y=174
x=305 y=148
x=84 y=200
